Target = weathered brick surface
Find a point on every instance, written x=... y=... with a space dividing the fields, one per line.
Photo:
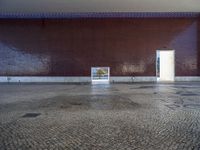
x=119 y=116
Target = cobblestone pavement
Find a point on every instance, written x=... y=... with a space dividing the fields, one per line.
x=94 y=117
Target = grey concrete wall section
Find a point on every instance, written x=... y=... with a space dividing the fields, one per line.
x=133 y=79
x=118 y=79
x=45 y=79
x=154 y=79
x=195 y=78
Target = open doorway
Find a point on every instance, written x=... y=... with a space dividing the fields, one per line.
x=165 y=68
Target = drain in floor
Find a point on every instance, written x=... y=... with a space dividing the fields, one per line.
x=31 y=115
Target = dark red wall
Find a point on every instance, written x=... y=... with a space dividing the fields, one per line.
x=198 y=45
x=70 y=47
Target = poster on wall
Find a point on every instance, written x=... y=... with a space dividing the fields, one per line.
x=100 y=73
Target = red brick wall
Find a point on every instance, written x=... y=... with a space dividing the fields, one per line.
x=54 y=47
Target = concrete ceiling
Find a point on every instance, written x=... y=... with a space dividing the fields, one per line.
x=33 y=6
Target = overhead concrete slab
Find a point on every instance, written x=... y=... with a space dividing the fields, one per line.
x=32 y=6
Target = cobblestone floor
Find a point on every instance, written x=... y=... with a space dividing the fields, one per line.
x=107 y=117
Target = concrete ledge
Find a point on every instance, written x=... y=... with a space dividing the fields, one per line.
x=129 y=79
x=80 y=79
x=145 y=79
x=32 y=79
x=187 y=78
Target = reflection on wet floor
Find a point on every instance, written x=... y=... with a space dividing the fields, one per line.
x=97 y=102
x=105 y=88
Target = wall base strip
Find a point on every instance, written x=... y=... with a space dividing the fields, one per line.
x=81 y=79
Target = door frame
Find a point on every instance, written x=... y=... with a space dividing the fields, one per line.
x=158 y=77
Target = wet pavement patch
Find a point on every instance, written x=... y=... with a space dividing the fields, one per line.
x=182 y=93
x=179 y=92
x=146 y=87
x=189 y=94
x=192 y=106
x=31 y=115
x=172 y=106
x=143 y=87
x=75 y=103
x=97 y=102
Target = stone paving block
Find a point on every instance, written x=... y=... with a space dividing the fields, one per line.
x=146 y=116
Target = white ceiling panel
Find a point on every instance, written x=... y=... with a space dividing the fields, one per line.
x=32 y=6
